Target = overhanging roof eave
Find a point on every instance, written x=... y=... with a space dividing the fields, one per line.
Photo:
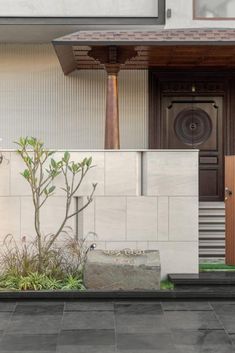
x=142 y=43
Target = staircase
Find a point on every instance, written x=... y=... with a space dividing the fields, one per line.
x=211 y=230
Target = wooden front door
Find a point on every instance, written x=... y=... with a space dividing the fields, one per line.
x=230 y=209
x=196 y=122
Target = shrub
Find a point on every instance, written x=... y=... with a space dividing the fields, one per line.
x=41 y=172
x=41 y=263
x=63 y=265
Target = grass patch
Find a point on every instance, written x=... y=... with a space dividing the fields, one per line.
x=167 y=285
x=215 y=267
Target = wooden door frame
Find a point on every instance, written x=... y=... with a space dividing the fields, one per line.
x=177 y=82
x=229 y=209
x=214 y=82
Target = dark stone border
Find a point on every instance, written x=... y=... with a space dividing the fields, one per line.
x=192 y=293
x=207 y=278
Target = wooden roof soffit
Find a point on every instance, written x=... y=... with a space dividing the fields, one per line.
x=94 y=57
x=203 y=47
x=66 y=58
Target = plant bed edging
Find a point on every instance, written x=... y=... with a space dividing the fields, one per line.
x=92 y=295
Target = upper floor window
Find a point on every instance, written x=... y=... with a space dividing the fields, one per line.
x=214 y=9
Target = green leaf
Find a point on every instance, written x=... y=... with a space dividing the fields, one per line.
x=84 y=162
x=89 y=161
x=51 y=189
x=53 y=163
x=32 y=141
x=26 y=174
x=66 y=157
x=75 y=167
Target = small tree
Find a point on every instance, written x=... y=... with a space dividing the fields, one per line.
x=41 y=172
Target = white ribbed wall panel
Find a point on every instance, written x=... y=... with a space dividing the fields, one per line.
x=133 y=104
x=67 y=112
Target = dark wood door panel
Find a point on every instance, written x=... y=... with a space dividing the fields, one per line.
x=172 y=108
x=208 y=184
x=212 y=117
x=196 y=122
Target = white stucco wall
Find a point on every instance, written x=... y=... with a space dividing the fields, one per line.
x=31 y=30
x=182 y=11
x=80 y=8
x=182 y=17
x=144 y=200
x=36 y=99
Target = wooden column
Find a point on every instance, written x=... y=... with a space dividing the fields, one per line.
x=112 y=139
x=112 y=66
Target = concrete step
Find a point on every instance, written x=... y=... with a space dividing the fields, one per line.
x=212 y=235
x=212 y=227
x=212 y=205
x=212 y=219
x=203 y=278
x=207 y=243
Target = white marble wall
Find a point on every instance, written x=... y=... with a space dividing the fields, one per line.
x=144 y=199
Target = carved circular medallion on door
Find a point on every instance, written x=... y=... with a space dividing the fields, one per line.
x=193 y=126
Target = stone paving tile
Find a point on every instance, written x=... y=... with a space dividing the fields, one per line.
x=89 y=306
x=85 y=349
x=139 y=342
x=86 y=337
x=221 y=301
x=43 y=308
x=192 y=320
x=88 y=320
x=203 y=341
x=5 y=318
x=196 y=349
x=228 y=321
x=138 y=309
x=142 y=323
x=137 y=301
x=232 y=338
x=226 y=314
x=117 y=326
x=186 y=306
x=202 y=338
x=163 y=350
x=41 y=324
x=7 y=306
x=223 y=308
x=26 y=343
x=31 y=351
x=40 y=302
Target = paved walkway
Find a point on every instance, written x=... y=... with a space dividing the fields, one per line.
x=117 y=326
